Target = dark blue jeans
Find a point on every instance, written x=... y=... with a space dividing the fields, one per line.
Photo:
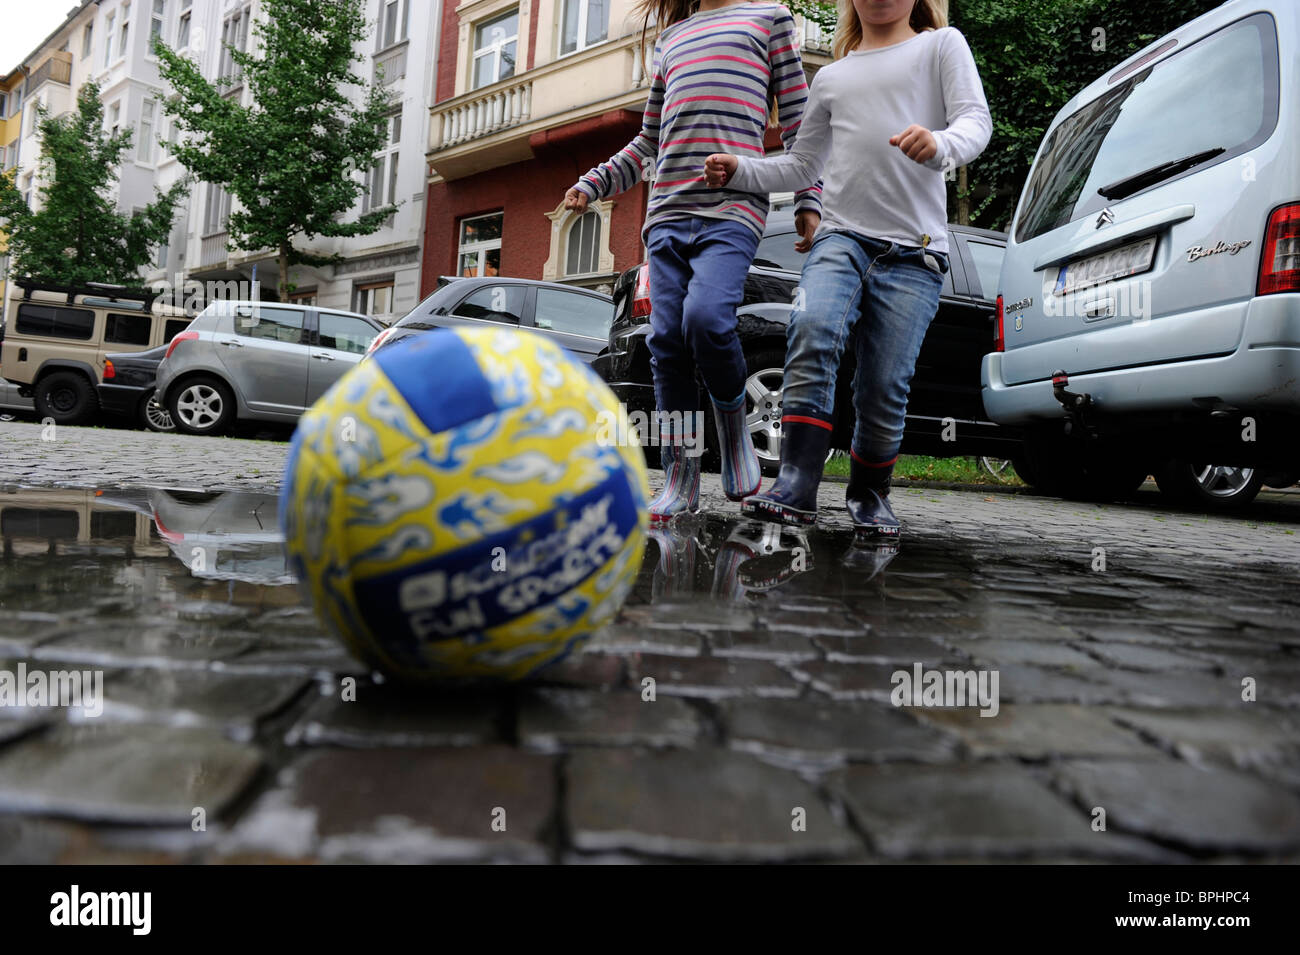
x=697 y=278
x=884 y=296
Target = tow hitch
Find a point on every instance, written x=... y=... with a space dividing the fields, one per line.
x=1076 y=405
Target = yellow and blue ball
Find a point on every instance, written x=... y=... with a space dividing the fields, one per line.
x=459 y=506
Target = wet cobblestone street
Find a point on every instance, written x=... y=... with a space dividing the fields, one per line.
x=1148 y=666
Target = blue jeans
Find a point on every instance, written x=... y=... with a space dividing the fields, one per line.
x=698 y=268
x=885 y=293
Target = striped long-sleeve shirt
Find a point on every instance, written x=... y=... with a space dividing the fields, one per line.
x=715 y=75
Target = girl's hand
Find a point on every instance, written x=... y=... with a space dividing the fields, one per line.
x=917 y=143
x=576 y=200
x=719 y=168
x=806 y=223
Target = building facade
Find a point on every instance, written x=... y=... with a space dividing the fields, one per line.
x=110 y=42
x=530 y=94
x=11 y=109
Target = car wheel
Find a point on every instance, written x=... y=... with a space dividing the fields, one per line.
x=1209 y=486
x=201 y=406
x=154 y=416
x=66 y=396
x=1056 y=464
x=765 y=371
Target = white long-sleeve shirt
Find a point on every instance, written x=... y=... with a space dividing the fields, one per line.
x=855 y=105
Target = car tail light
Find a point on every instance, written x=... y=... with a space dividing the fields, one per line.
x=641 y=295
x=379 y=339
x=999 y=337
x=1279 y=267
x=180 y=337
x=109 y=370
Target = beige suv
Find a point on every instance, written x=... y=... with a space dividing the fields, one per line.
x=54 y=339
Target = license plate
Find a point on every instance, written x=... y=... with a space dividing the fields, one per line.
x=1107 y=267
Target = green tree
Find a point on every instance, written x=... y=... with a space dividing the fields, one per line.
x=77 y=235
x=290 y=157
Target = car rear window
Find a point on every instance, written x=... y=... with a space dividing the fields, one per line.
x=494 y=303
x=53 y=321
x=1220 y=92
x=127 y=329
x=987 y=259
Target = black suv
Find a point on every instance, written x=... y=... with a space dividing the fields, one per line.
x=945 y=414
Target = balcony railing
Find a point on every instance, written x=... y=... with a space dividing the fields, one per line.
x=815 y=39
x=392 y=62
x=57 y=69
x=495 y=109
x=212 y=250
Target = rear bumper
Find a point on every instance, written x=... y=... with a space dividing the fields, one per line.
x=121 y=399
x=1262 y=374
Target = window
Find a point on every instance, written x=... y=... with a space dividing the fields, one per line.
x=157 y=20
x=373 y=298
x=125 y=30
x=87 y=38
x=216 y=212
x=108 y=38
x=493 y=303
x=583 y=245
x=777 y=252
x=381 y=186
x=183 y=25
x=392 y=23
x=127 y=329
x=345 y=334
x=305 y=297
x=4 y=99
x=144 y=142
x=234 y=33
x=987 y=259
x=174 y=327
x=269 y=324
x=586 y=22
x=480 y=246
x=573 y=312
x=494 y=49
x=115 y=117
x=52 y=321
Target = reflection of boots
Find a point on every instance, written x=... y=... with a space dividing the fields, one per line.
x=867 y=498
x=793 y=498
x=675 y=573
x=741 y=475
x=681 y=491
x=785 y=554
x=865 y=561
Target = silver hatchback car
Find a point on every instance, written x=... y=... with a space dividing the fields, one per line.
x=1149 y=306
x=253 y=361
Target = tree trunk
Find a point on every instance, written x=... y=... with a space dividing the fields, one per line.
x=963 y=197
x=283 y=261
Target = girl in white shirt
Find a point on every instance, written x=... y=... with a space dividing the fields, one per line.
x=901 y=105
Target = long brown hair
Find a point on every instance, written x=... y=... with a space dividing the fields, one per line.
x=664 y=13
x=926 y=15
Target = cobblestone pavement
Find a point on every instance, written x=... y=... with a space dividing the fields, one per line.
x=1148 y=665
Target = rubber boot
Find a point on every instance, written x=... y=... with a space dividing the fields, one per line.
x=741 y=474
x=681 y=491
x=793 y=498
x=867 y=498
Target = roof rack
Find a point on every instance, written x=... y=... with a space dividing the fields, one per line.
x=113 y=293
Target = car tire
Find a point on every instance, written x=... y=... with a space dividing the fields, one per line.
x=1056 y=464
x=66 y=396
x=1208 y=487
x=201 y=405
x=154 y=416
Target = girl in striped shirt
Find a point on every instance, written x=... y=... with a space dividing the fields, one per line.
x=718 y=67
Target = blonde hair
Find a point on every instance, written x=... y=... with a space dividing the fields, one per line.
x=926 y=15
x=663 y=13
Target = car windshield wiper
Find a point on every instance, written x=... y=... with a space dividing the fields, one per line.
x=1131 y=184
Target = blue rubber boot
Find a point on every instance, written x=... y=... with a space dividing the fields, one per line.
x=793 y=498
x=867 y=498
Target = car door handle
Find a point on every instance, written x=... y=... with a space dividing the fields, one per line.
x=233 y=343
x=323 y=356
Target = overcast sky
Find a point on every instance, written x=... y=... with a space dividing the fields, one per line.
x=24 y=24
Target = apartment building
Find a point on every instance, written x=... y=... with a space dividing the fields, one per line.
x=530 y=94
x=11 y=92
x=110 y=42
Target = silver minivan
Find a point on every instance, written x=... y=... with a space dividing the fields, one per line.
x=255 y=361
x=1149 y=306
